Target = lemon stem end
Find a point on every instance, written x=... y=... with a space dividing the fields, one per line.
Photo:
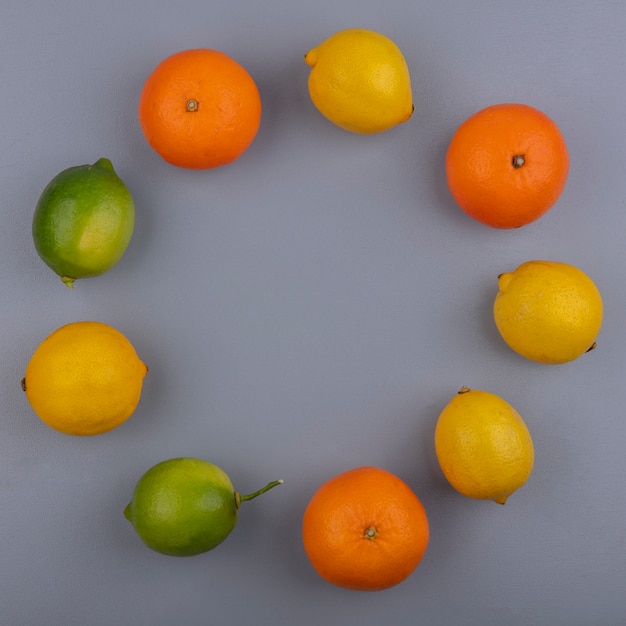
x=504 y=279
x=310 y=58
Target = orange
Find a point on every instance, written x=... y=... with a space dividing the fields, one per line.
x=199 y=109
x=365 y=529
x=507 y=165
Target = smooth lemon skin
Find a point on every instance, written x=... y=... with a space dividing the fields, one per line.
x=360 y=81
x=183 y=507
x=548 y=312
x=84 y=379
x=83 y=221
x=483 y=446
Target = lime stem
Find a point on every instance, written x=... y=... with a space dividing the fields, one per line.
x=69 y=282
x=239 y=498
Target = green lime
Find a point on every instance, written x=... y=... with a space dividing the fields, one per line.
x=185 y=506
x=83 y=221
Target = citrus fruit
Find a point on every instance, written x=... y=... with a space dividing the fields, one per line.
x=507 y=165
x=360 y=81
x=84 y=379
x=83 y=221
x=548 y=311
x=365 y=530
x=199 y=109
x=185 y=506
x=483 y=446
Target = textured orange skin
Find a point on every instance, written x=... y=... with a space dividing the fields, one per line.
x=227 y=115
x=337 y=518
x=480 y=171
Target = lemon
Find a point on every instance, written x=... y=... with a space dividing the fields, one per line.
x=483 y=446
x=185 y=506
x=360 y=81
x=548 y=311
x=84 y=379
x=83 y=221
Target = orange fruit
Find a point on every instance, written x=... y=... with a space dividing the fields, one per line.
x=507 y=165
x=199 y=109
x=365 y=529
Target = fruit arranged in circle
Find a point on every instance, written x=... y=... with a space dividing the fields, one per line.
x=360 y=81
x=507 y=165
x=185 y=506
x=83 y=221
x=483 y=446
x=84 y=379
x=548 y=311
x=199 y=109
x=365 y=529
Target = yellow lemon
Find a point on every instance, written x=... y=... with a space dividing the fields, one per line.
x=360 y=81
x=548 y=311
x=483 y=446
x=84 y=379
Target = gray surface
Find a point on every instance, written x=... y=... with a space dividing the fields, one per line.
x=311 y=308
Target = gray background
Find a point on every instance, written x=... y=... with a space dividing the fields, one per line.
x=311 y=308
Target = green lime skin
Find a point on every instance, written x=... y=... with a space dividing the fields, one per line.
x=185 y=506
x=83 y=221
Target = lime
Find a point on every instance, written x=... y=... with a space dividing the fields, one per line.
x=185 y=506
x=83 y=221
